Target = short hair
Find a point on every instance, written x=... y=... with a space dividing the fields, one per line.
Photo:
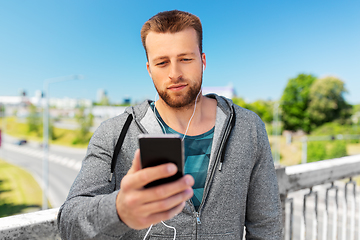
x=172 y=21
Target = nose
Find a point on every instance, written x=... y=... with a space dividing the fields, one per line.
x=175 y=72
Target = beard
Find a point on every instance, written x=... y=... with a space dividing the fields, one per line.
x=181 y=100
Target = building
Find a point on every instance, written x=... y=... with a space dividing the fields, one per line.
x=227 y=91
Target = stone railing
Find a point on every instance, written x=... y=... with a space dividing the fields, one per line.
x=36 y=225
x=319 y=199
x=293 y=181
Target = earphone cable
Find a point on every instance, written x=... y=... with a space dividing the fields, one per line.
x=188 y=125
x=173 y=228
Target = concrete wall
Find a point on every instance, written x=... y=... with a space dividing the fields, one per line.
x=37 y=225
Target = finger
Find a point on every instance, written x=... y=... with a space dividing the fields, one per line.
x=147 y=175
x=141 y=197
x=166 y=204
x=169 y=189
x=136 y=165
x=163 y=216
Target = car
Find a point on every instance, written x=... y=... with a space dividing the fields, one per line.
x=21 y=142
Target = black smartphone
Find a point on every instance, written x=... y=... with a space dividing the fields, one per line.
x=156 y=149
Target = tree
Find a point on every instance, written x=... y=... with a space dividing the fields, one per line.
x=356 y=108
x=294 y=102
x=33 y=120
x=85 y=122
x=327 y=102
x=35 y=123
x=239 y=101
x=264 y=109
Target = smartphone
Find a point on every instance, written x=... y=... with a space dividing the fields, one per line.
x=157 y=149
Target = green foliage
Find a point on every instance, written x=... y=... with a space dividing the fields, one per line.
x=356 y=108
x=337 y=150
x=19 y=192
x=2 y=110
x=294 y=102
x=103 y=102
x=308 y=103
x=335 y=128
x=264 y=109
x=316 y=151
x=321 y=150
x=85 y=122
x=239 y=101
x=327 y=102
x=35 y=123
x=34 y=120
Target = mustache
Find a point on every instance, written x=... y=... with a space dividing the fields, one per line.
x=179 y=80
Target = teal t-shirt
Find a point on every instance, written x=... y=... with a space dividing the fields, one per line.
x=197 y=158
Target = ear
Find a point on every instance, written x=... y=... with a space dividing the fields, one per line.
x=148 y=69
x=203 y=58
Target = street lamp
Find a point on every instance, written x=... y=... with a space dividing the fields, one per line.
x=276 y=134
x=46 y=132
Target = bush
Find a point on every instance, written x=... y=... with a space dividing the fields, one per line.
x=316 y=151
x=334 y=128
x=337 y=149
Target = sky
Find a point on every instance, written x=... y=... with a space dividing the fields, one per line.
x=256 y=46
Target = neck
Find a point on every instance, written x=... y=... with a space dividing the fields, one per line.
x=178 y=119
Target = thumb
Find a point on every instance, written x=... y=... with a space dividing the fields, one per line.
x=136 y=164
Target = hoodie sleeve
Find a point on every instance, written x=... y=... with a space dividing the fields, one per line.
x=89 y=211
x=263 y=215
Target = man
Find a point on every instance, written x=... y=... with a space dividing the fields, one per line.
x=231 y=181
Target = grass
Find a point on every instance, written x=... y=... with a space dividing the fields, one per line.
x=18 y=129
x=291 y=153
x=353 y=148
x=19 y=192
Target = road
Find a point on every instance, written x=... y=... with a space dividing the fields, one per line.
x=64 y=165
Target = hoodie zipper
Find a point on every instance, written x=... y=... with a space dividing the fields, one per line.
x=206 y=190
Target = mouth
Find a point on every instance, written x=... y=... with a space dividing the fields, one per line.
x=177 y=87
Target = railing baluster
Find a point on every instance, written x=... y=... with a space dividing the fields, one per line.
x=344 y=216
x=303 y=221
x=326 y=213
x=291 y=218
x=314 y=219
x=325 y=218
x=335 y=215
x=358 y=229
x=352 y=211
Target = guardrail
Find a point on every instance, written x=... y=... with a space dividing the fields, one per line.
x=320 y=178
x=36 y=225
x=42 y=224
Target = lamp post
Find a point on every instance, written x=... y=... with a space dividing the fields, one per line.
x=47 y=82
x=276 y=134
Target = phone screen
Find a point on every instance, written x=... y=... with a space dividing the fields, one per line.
x=159 y=149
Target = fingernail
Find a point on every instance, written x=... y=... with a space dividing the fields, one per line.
x=189 y=192
x=188 y=181
x=171 y=168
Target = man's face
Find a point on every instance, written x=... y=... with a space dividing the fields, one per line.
x=175 y=66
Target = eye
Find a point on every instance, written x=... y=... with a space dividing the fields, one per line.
x=161 y=63
x=186 y=59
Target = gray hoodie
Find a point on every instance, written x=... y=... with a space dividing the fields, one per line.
x=241 y=187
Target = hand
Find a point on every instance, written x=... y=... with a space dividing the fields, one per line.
x=139 y=207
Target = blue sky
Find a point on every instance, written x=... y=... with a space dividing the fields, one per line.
x=255 y=45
